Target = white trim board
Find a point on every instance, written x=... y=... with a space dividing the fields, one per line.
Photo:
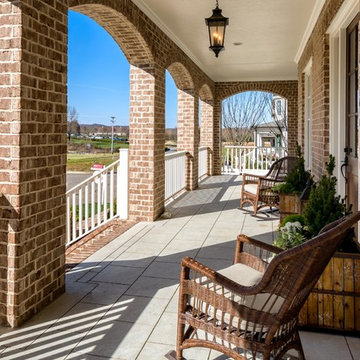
x=309 y=28
x=344 y=16
x=158 y=22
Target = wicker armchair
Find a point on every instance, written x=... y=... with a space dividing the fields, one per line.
x=249 y=310
x=257 y=190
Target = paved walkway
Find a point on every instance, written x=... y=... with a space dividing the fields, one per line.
x=121 y=302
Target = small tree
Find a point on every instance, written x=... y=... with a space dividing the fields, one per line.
x=73 y=126
x=324 y=205
x=242 y=112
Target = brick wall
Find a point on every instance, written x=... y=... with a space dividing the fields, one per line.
x=317 y=49
x=33 y=154
x=301 y=110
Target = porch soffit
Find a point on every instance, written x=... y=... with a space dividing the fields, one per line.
x=271 y=33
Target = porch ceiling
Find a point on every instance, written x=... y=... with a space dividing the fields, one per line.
x=270 y=32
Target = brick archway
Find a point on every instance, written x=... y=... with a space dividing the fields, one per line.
x=181 y=76
x=205 y=93
x=287 y=89
x=116 y=19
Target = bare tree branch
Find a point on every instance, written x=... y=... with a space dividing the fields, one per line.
x=73 y=127
x=242 y=112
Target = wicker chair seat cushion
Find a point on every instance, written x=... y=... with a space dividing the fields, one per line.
x=251 y=188
x=246 y=276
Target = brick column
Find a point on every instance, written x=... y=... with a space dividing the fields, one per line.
x=217 y=126
x=207 y=132
x=33 y=57
x=293 y=127
x=147 y=138
x=188 y=133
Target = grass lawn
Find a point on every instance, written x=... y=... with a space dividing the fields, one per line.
x=99 y=143
x=84 y=162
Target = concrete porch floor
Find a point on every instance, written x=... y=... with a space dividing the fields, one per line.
x=121 y=302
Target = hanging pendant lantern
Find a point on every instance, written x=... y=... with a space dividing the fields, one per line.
x=217 y=24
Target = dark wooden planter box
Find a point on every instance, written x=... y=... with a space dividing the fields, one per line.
x=290 y=204
x=334 y=303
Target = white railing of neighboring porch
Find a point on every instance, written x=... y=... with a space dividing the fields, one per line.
x=203 y=162
x=175 y=173
x=98 y=200
x=237 y=159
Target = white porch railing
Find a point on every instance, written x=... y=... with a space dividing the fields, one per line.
x=175 y=173
x=98 y=200
x=203 y=162
x=237 y=159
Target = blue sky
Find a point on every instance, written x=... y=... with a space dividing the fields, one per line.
x=98 y=76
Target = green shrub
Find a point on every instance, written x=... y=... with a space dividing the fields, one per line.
x=292 y=218
x=324 y=206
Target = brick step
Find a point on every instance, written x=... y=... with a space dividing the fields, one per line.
x=81 y=250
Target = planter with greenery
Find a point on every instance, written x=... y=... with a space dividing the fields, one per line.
x=293 y=192
x=334 y=303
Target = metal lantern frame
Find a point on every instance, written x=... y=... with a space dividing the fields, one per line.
x=216 y=24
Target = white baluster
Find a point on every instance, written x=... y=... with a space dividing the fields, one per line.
x=86 y=208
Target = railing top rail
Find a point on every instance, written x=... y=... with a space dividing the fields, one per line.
x=175 y=155
x=201 y=148
x=88 y=180
x=252 y=147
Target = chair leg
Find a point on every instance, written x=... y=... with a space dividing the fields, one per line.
x=299 y=347
x=180 y=338
x=255 y=206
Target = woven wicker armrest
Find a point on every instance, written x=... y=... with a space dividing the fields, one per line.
x=203 y=271
x=251 y=178
x=254 y=253
x=268 y=183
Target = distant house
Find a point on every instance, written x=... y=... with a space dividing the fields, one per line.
x=273 y=133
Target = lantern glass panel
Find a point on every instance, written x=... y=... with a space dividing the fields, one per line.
x=217 y=31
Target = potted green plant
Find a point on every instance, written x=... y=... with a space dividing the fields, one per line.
x=293 y=191
x=334 y=303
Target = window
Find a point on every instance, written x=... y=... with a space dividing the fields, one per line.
x=278 y=107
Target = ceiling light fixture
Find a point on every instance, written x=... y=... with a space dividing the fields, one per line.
x=217 y=24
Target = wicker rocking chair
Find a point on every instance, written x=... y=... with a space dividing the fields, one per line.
x=258 y=190
x=249 y=310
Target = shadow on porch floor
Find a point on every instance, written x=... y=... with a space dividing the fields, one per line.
x=121 y=302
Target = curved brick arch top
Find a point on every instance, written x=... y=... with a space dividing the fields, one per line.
x=205 y=93
x=122 y=30
x=181 y=76
x=285 y=89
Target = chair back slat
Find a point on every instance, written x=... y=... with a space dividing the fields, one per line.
x=281 y=168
